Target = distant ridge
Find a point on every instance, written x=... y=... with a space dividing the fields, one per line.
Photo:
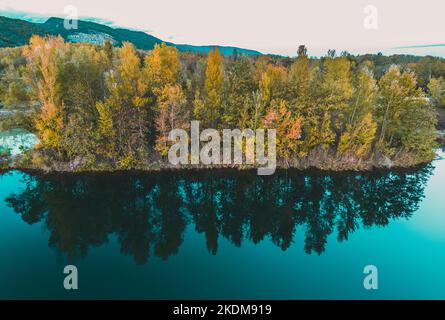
x=17 y=32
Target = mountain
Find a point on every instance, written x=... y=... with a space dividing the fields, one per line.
x=16 y=32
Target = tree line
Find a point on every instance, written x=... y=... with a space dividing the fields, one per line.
x=103 y=107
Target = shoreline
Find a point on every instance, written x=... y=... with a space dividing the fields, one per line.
x=348 y=168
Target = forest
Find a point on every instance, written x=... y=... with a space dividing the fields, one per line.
x=100 y=107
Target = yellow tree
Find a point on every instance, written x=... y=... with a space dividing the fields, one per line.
x=360 y=129
x=162 y=71
x=357 y=140
x=162 y=67
x=406 y=118
x=42 y=56
x=210 y=111
x=128 y=104
x=106 y=131
x=318 y=135
x=300 y=77
x=272 y=85
x=436 y=88
x=365 y=96
x=337 y=89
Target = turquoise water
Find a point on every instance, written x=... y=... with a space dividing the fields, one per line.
x=224 y=235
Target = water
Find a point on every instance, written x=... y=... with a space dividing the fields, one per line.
x=15 y=141
x=224 y=235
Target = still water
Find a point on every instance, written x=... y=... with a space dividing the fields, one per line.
x=224 y=234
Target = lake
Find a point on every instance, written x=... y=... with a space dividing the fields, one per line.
x=224 y=234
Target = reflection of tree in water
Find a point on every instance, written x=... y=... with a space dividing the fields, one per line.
x=150 y=212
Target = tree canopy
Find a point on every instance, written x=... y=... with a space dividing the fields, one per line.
x=101 y=106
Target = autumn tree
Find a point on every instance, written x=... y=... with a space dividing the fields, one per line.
x=300 y=77
x=336 y=89
x=82 y=82
x=162 y=73
x=128 y=104
x=436 y=88
x=162 y=67
x=318 y=134
x=288 y=131
x=360 y=130
x=208 y=110
x=272 y=85
x=106 y=133
x=43 y=55
x=406 y=119
x=357 y=139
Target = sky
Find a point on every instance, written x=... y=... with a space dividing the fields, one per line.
x=274 y=26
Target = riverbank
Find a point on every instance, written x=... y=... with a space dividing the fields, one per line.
x=33 y=161
x=17 y=152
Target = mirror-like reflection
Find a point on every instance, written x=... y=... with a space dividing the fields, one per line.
x=150 y=212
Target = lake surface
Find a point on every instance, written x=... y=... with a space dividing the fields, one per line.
x=224 y=234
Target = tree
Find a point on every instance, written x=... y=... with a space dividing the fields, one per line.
x=128 y=104
x=13 y=88
x=96 y=106
x=162 y=67
x=239 y=89
x=288 y=131
x=82 y=82
x=272 y=85
x=300 y=77
x=336 y=89
x=406 y=119
x=318 y=134
x=106 y=132
x=365 y=96
x=210 y=111
x=360 y=129
x=436 y=88
x=418 y=131
x=42 y=75
x=170 y=115
x=357 y=139
x=427 y=69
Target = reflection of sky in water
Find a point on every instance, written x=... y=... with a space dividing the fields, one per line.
x=430 y=219
x=16 y=140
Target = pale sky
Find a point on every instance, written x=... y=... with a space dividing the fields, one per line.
x=274 y=26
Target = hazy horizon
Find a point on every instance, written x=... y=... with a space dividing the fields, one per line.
x=403 y=28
